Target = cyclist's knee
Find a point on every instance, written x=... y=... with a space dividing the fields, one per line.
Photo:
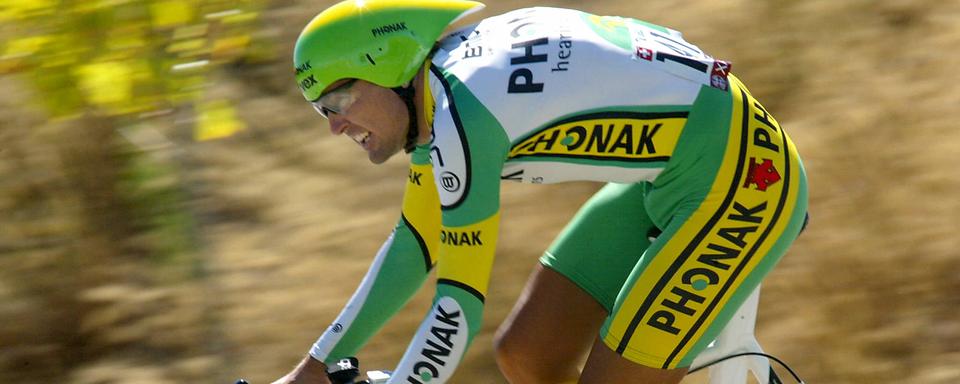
x=506 y=349
x=522 y=361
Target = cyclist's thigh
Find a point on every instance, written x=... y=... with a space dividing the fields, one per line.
x=544 y=337
x=601 y=245
x=718 y=242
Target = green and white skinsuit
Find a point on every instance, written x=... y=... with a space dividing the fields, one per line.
x=705 y=192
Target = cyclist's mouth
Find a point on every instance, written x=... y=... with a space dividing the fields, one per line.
x=361 y=138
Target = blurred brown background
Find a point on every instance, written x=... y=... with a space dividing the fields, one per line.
x=172 y=211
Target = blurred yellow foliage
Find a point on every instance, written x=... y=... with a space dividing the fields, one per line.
x=24 y=46
x=190 y=31
x=229 y=46
x=127 y=37
x=171 y=13
x=107 y=84
x=17 y=50
x=188 y=47
x=19 y=9
x=119 y=57
x=240 y=17
x=217 y=119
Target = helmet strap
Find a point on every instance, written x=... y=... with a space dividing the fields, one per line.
x=407 y=94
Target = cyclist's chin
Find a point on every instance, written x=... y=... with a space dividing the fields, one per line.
x=380 y=156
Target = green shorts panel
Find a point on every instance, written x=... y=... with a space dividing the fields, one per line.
x=604 y=241
x=726 y=222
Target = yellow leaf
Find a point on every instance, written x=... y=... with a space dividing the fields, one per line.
x=25 y=46
x=107 y=83
x=187 y=45
x=97 y=5
x=171 y=13
x=190 y=31
x=141 y=71
x=243 y=17
x=229 y=46
x=22 y=9
x=217 y=119
x=129 y=37
x=11 y=66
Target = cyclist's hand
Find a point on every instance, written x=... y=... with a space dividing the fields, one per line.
x=309 y=371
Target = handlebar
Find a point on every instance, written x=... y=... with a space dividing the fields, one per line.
x=346 y=371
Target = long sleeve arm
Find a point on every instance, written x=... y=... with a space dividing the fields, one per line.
x=466 y=260
x=399 y=269
x=468 y=151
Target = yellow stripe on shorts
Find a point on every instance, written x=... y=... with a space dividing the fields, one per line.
x=705 y=261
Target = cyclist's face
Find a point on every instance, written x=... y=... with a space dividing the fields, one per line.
x=336 y=99
x=373 y=116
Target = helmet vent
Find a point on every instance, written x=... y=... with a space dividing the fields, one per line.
x=370 y=59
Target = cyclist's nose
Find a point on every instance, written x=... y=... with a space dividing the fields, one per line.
x=337 y=123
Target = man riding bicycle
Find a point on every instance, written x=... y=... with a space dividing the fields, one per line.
x=705 y=191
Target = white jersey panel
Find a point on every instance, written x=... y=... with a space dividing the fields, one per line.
x=448 y=153
x=545 y=172
x=532 y=66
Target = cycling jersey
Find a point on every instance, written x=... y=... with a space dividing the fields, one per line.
x=545 y=95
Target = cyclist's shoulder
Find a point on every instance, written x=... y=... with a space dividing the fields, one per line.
x=559 y=59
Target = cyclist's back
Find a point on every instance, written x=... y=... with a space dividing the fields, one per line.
x=579 y=96
x=545 y=95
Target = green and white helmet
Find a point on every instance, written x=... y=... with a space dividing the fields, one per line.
x=380 y=41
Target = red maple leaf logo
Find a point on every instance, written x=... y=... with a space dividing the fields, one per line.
x=762 y=174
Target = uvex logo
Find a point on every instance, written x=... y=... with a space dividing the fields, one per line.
x=449 y=181
x=307 y=82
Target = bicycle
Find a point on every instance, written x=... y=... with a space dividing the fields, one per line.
x=736 y=340
x=346 y=371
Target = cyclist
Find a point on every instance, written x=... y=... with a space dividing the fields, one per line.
x=705 y=191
